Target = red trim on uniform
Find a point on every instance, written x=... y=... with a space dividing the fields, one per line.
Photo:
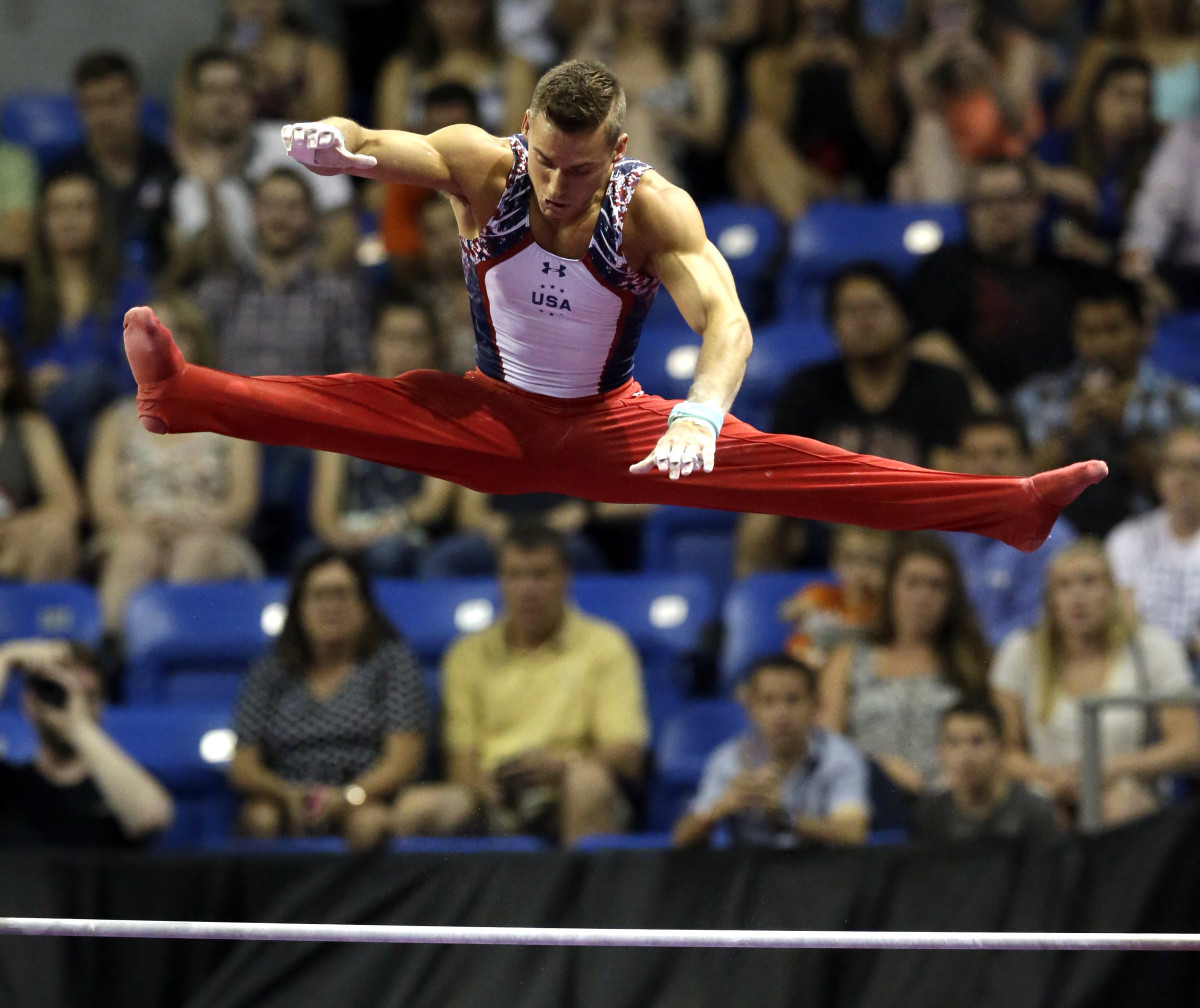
x=481 y=271
x=627 y=299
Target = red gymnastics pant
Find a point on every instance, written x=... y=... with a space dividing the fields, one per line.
x=492 y=437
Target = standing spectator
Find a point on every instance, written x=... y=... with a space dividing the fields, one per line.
x=927 y=653
x=18 y=202
x=1112 y=403
x=545 y=722
x=678 y=98
x=81 y=788
x=1092 y=171
x=382 y=513
x=785 y=781
x=823 y=117
x=40 y=503
x=333 y=722
x=970 y=80
x=222 y=153
x=297 y=77
x=874 y=398
x=454 y=40
x=175 y=509
x=1005 y=585
x=1084 y=645
x=135 y=173
x=1156 y=556
x=981 y=799
x=996 y=306
x=65 y=319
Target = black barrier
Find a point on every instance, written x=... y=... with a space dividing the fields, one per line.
x=1144 y=877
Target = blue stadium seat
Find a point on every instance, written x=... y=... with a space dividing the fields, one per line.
x=684 y=540
x=780 y=349
x=433 y=613
x=192 y=643
x=1176 y=345
x=66 y=609
x=518 y=843
x=750 y=238
x=17 y=740
x=687 y=739
x=624 y=841
x=751 y=618
x=832 y=235
x=48 y=123
x=666 y=360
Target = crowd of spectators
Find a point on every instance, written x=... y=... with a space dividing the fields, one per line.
x=931 y=681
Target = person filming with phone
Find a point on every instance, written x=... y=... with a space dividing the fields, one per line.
x=80 y=789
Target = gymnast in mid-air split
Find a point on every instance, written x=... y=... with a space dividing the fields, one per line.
x=565 y=241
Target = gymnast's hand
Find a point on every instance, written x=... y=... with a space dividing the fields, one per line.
x=321 y=148
x=688 y=446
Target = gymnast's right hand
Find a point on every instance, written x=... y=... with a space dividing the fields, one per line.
x=321 y=148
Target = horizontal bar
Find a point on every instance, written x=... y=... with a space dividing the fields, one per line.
x=598 y=937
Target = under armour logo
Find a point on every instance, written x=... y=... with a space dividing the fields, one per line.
x=562 y=270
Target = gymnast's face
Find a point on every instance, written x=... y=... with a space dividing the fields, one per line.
x=568 y=171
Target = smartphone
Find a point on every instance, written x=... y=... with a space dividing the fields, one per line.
x=46 y=690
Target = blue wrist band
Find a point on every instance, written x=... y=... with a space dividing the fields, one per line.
x=707 y=413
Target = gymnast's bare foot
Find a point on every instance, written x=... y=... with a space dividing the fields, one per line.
x=153 y=356
x=1056 y=489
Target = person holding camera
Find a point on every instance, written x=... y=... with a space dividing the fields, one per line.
x=81 y=789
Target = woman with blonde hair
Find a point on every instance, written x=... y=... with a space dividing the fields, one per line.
x=1085 y=644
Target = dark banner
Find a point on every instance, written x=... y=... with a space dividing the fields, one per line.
x=1145 y=877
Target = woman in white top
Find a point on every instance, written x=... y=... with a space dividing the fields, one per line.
x=1085 y=644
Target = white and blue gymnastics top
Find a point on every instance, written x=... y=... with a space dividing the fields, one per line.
x=559 y=327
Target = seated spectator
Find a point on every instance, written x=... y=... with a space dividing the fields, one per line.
x=981 y=799
x=785 y=781
x=874 y=398
x=1163 y=32
x=297 y=77
x=823 y=119
x=222 y=153
x=1156 y=556
x=454 y=40
x=824 y=616
x=383 y=514
x=675 y=87
x=135 y=173
x=175 y=509
x=40 y=504
x=333 y=722
x=925 y=654
x=970 y=79
x=1112 y=403
x=1092 y=171
x=18 y=201
x=545 y=727
x=1005 y=585
x=1085 y=645
x=66 y=317
x=283 y=313
x=996 y=306
x=1160 y=249
x=81 y=789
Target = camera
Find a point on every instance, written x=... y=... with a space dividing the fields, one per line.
x=45 y=689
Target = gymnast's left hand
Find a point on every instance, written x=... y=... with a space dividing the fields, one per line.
x=688 y=446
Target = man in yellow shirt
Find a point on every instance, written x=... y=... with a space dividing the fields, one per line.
x=545 y=723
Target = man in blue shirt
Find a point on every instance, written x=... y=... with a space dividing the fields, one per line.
x=1005 y=585
x=784 y=782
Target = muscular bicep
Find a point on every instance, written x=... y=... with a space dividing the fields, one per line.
x=700 y=283
x=454 y=160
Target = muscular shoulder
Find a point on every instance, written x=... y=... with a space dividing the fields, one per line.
x=478 y=161
x=662 y=218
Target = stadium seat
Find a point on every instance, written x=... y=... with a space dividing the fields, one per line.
x=684 y=540
x=666 y=360
x=17 y=740
x=433 y=613
x=687 y=739
x=624 y=841
x=751 y=618
x=779 y=350
x=192 y=643
x=517 y=843
x=66 y=609
x=832 y=235
x=1176 y=345
x=750 y=238
x=48 y=124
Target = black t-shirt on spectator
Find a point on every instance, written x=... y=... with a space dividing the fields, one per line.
x=1012 y=322
x=34 y=812
x=927 y=412
x=1020 y=815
